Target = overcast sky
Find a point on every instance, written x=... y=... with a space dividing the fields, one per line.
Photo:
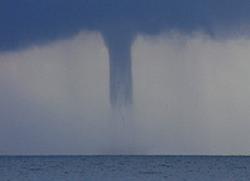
x=191 y=78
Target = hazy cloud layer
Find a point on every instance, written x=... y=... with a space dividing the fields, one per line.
x=191 y=96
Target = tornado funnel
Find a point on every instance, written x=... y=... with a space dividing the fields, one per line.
x=121 y=85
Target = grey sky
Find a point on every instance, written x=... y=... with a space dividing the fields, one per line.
x=190 y=70
x=191 y=96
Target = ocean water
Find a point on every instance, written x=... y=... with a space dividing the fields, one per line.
x=77 y=168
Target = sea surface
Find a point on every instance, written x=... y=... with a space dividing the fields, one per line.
x=77 y=168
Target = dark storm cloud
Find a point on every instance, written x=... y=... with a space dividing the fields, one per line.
x=27 y=22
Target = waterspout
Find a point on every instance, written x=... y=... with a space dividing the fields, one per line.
x=121 y=85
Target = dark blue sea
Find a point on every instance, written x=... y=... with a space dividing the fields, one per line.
x=77 y=168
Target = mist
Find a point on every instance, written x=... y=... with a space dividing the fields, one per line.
x=191 y=96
